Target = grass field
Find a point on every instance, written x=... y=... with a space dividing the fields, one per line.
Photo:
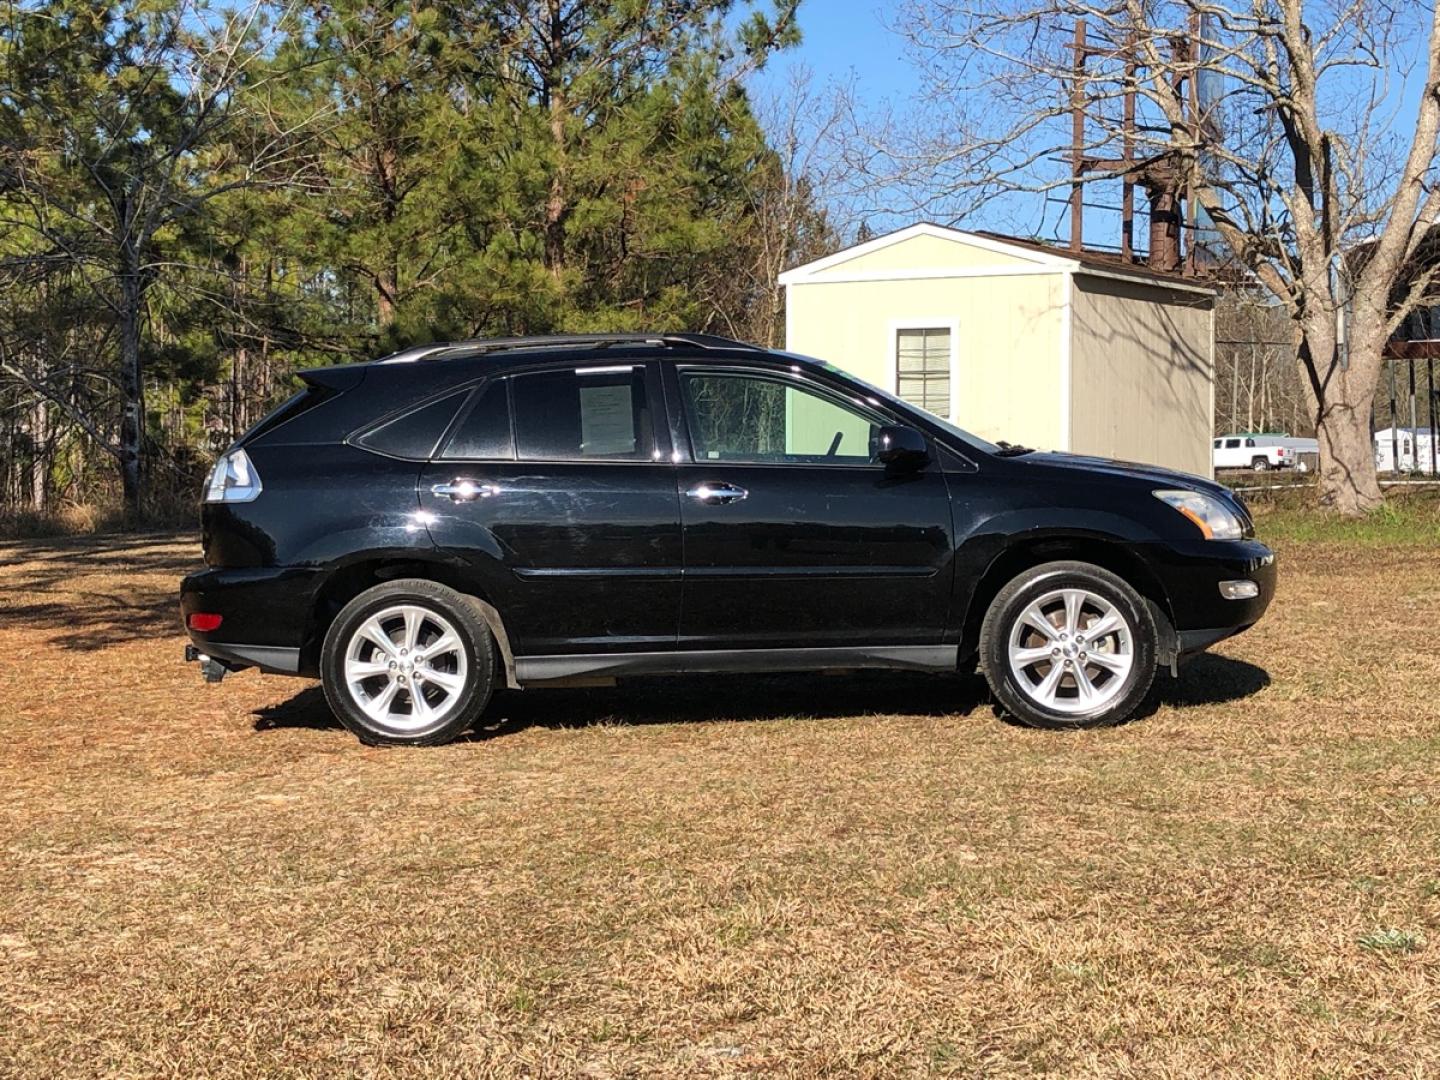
x=847 y=876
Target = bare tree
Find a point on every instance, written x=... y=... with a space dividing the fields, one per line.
x=791 y=200
x=1257 y=384
x=1279 y=116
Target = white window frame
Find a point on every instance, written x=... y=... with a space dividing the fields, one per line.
x=939 y=322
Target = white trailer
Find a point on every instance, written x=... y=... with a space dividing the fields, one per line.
x=1416 y=450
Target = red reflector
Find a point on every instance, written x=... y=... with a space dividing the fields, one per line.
x=203 y=621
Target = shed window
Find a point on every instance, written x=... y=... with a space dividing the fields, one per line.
x=922 y=367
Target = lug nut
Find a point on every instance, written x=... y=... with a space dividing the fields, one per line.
x=1054 y=652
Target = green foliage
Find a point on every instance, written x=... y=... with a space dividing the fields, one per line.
x=283 y=186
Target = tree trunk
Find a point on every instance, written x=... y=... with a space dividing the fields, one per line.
x=557 y=203
x=1342 y=400
x=557 y=207
x=385 y=286
x=40 y=463
x=132 y=389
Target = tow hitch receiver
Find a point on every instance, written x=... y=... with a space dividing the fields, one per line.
x=213 y=670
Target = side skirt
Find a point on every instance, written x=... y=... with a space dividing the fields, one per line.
x=537 y=669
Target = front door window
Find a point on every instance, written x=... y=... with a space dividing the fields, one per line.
x=760 y=419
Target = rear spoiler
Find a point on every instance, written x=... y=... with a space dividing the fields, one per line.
x=340 y=378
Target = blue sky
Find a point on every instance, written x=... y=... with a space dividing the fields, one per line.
x=844 y=37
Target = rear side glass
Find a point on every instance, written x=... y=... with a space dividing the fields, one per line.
x=287 y=410
x=582 y=414
x=414 y=434
x=483 y=432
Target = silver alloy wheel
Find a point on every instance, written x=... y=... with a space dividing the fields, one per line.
x=1071 y=651
x=405 y=667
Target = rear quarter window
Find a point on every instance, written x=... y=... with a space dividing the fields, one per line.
x=416 y=433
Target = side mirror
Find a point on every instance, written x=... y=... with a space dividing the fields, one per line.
x=901 y=447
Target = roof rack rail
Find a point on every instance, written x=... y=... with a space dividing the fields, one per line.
x=479 y=346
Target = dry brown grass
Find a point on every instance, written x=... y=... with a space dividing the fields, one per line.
x=845 y=876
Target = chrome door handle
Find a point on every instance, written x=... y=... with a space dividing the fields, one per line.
x=462 y=490
x=716 y=494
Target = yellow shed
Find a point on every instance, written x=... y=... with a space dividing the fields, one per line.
x=1019 y=341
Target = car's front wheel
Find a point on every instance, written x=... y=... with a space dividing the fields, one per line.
x=408 y=662
x=1069 y=645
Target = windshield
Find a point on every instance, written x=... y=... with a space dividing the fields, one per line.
x=904 y=406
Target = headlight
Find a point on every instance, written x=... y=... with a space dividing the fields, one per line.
x=1211 y=516
x=233 y=479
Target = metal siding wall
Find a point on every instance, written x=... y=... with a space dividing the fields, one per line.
x=1143 y=375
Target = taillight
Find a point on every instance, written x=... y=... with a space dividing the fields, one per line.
x=233 y=479
x=1280 y=452
x=203 y=621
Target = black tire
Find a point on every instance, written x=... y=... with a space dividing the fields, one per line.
x=477 y=682
x=1260 y=464
x=1006 y=612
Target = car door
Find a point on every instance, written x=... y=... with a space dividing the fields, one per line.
x=795 y=537
x=555 y=495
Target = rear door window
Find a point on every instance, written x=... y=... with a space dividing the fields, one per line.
x=483 y=431
x=583 y=414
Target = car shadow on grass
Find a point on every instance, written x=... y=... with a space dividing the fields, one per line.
x=1204 y=680
x=694 y=699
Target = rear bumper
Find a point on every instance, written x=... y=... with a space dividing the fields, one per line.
x=266 y=615
x=1191 y=573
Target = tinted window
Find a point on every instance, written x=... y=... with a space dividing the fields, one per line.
x=1231 y=444
x=1249 y=442
x=415 y=433
x=484 y=430
x=757 y=418
x=586 y=413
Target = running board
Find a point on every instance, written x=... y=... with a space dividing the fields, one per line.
x=933 y=658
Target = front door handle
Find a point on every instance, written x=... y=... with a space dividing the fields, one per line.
x=717 y=494
x=462 y=489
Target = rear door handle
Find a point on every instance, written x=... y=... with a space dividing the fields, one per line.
x=462 y=489
x=716 y=494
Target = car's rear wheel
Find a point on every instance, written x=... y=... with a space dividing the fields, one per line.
x=1260 y=464
x=409 y=662
x=1069 y=645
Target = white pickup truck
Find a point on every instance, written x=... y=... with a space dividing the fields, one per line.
x=1261 y=452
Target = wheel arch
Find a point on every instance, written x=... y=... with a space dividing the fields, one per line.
x=348 y=581
x=1108 y=553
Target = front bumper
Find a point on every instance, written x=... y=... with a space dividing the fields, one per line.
x=266 y=612
x=1191 y=572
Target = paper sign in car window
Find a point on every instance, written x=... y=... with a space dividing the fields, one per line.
x=607 y=421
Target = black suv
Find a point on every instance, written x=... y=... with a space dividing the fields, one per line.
x=424 y=529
